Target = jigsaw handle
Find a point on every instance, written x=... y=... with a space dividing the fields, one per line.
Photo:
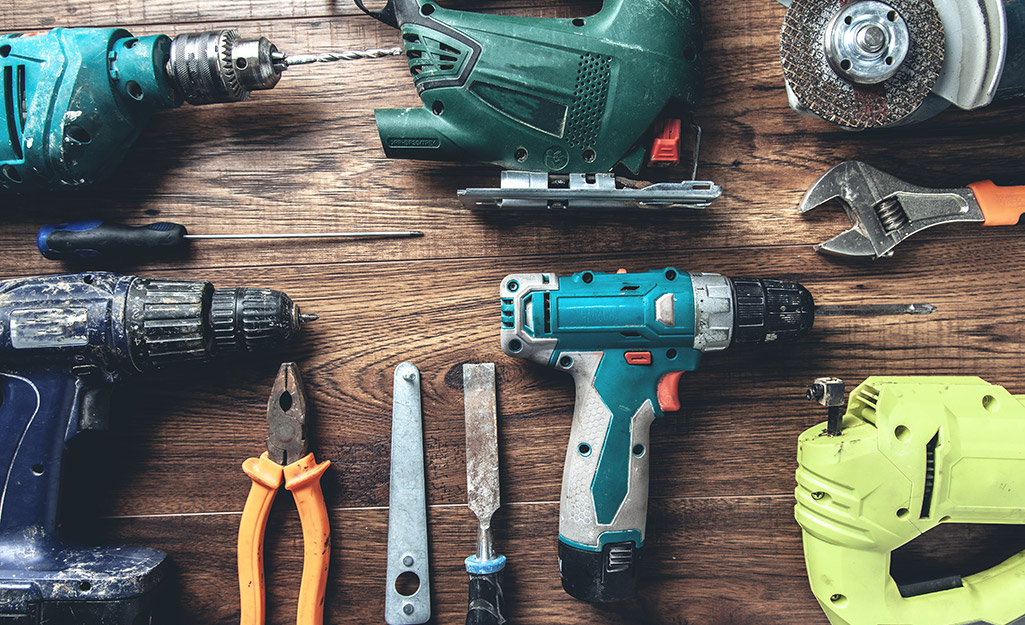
x=1002 y=206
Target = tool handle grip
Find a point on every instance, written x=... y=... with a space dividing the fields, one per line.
x=267 y=476
x=100 y=240
x=605 y=480
x=302 y=478
x=1002 y=206
x=487 y=603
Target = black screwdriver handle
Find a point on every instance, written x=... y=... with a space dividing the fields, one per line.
x=487 y=604
x=99 y=240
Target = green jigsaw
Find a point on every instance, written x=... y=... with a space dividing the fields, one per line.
x=556 y=102
x=910 y=454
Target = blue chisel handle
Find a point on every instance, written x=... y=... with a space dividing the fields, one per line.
x=487 y=603
x=100 y=240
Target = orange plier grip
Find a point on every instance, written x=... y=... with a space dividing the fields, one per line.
x=302 y=478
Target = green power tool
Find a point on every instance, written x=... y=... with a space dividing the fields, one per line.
x=909 y=454
x=558 y=103
x=75 y=99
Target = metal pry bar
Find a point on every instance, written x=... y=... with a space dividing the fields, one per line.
x=884 y=209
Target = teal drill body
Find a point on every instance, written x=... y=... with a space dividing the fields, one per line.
x=74 y=101
x=627 y=339
x=542 y=94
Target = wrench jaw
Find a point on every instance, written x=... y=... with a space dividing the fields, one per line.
x=852 y=243
x=884 y=209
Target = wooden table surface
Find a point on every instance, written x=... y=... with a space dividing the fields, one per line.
x=723 y=545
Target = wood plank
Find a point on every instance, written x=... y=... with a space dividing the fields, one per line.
x=306 y=157
x=21 y=15
x=724 y=547
x=713 y=561
x=743 y=408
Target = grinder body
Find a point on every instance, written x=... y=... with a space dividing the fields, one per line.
x=627 y=339
x=65 y=341
x=542 y=94
x=914 y=452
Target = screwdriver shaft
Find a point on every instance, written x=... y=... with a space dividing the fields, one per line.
x=874 y=310
x=312 y=235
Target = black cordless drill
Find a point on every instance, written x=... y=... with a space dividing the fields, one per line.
x=64 y=342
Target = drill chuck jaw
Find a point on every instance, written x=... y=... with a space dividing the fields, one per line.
x=220 y=66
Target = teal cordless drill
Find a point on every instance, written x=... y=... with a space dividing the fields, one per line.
x=627 y=339
x=75 y=99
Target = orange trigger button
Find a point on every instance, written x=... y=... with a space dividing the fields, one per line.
x=669 y=391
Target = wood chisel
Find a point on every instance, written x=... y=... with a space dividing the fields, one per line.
x=487 y=603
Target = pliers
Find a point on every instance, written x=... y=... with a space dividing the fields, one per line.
x=886 y=210
x=287 y=460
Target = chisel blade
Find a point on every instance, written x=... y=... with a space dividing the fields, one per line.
x=482 y=484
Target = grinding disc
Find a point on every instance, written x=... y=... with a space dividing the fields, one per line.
x=831 y=97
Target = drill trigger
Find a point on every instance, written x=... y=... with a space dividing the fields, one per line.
x=669 y=391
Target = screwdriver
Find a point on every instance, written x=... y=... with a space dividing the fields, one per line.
x=104 y=240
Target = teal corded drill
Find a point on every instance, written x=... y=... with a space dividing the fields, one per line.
x=75 y=99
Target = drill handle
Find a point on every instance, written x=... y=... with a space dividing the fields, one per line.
x=604 y=501
x=39 y=414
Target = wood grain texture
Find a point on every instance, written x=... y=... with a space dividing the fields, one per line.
x=723 y=546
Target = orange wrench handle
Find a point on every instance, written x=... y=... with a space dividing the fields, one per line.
x=302 y=478
x=1002 y=206
x=267 y=476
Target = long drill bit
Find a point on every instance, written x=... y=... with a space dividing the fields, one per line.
x=288 y=60
x=873 y=310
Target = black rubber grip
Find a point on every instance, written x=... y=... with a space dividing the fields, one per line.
x=487 y=604
x=106 y=240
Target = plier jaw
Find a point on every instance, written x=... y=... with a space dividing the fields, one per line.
x=286 y=417
x=285 y=461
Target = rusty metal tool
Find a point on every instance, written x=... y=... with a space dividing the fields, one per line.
x=286 y=460
x=886 y=210
x=485 y=567
x=407 y=599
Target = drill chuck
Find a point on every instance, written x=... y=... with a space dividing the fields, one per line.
x=220 y=66
x=181 y=321
x=770 y=310
x=253 y=319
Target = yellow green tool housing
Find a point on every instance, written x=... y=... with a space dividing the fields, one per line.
x=914 y=452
